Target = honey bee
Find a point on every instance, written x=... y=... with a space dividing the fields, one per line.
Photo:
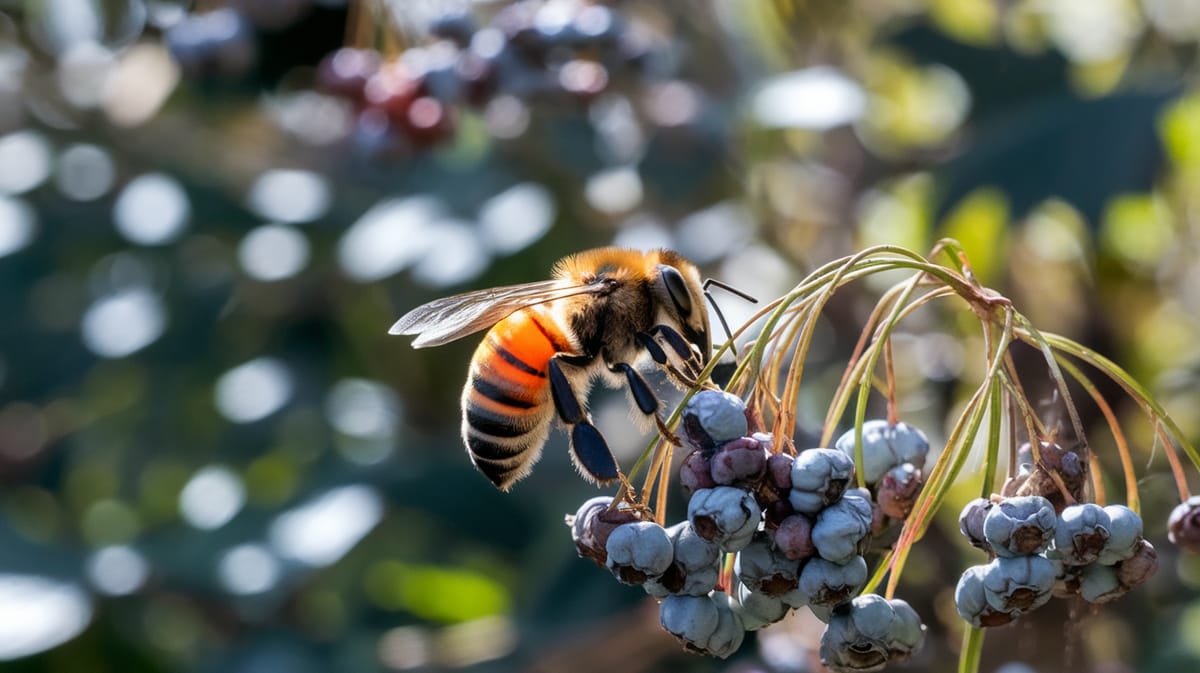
x=600 y=313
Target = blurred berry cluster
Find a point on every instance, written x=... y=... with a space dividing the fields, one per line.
x=1041 y=549
x=792 y=527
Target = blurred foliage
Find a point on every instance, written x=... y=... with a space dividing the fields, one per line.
x=213 y=457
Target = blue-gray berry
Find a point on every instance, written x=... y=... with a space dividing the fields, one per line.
x=1081 y=534
x=1018 y=584
x=695 y=568
x=869 y=632
x=1124 y=532
x=757 y=610
x=1099 y=584
x=704 y=624
x=827 y=584
x=713 y=417
x=1019 y=526
x=885 y=446
x=819 y=477
x=970 y=599
x=764 y=569
x=638 y=551
x=841 y=527
x=724 y=515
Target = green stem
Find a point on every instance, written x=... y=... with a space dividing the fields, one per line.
x=972 y=650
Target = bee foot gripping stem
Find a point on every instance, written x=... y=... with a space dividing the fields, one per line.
x=591 y=453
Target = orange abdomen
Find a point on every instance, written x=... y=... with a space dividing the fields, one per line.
x=506 y=403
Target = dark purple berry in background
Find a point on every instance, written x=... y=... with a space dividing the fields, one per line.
x=970 y=522
x=779 y=472
x=1183 y=526
x=898 y=490
x=793 y=537
x=1139 y=567
x=740 y=462
x=592 y=525
x=695 y=473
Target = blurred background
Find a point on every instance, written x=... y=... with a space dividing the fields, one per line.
x=213 y=458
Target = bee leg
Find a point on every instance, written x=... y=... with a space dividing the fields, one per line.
x=588 y=447
x=644 y=397
x=682 y=348
x=656 y=351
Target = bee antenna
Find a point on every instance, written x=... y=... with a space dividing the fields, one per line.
x=717 y=308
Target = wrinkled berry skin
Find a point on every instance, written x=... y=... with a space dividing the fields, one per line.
x=1124 y=533
x=757 y=610
x=704 y=624
x=885 y=446
x=1019 y=584
x=638 y=551
x=724 y=515
x=819 y=477
x=1081 y=534
x=868 y=633
x=1183 y=526
x=1034 y=477
x=592 y=525
x=696 y=473
x=970 y=522
x=713 y=417
x=1020 y=526
x=898 y=490
x=779 y=472
x=695 y=565
x=1138 y=568
x=739 y=462
x=764 y=569
x=841 y=527
x=970 y=599
x=827 y=584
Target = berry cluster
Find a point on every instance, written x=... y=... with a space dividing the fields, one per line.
x=1094 y=552
x=793 y=526
x=530 y=50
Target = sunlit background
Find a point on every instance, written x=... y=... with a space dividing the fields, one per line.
x=213 y=458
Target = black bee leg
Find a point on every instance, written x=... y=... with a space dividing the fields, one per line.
x=590 y=451
x=681 y=347
x=656 y=351
x=644 y=397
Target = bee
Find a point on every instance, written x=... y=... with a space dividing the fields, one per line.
x=602 y=311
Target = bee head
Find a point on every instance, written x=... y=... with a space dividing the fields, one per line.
x=680 y=296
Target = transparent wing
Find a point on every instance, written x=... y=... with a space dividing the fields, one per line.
x=444 y=320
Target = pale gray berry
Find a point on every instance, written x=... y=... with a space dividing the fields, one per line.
x=1081 y=534
x=1099 y=584
x=841 y=527
x=970 y=599
x=1018 y=584
x=1020 y=525
x=1124 y=532
x=713 y=417
x=757 y=610
x=765 y=569
x=639 y=551
x=724 y=515
x=819 y=477
x=827 y=584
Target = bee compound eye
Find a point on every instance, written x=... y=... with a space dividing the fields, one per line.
x=677 y=288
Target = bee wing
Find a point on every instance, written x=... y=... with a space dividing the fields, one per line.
x=449 y=318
